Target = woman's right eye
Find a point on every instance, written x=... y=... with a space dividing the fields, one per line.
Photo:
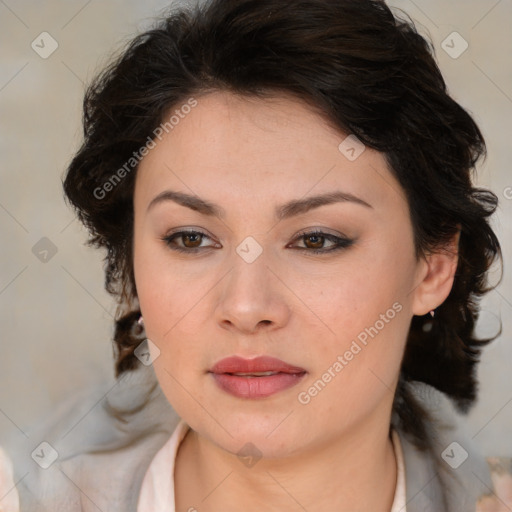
x=190 y=240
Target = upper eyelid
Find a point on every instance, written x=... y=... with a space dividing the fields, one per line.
x=300 y=234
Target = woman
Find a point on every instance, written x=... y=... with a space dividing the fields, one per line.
x=283 y=189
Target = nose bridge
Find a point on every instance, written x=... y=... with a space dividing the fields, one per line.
x=251 y=275
x=251 y=293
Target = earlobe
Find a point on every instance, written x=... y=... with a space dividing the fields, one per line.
x=438 y=273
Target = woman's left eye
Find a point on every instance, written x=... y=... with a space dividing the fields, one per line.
x=317 y=239
x=314 y=241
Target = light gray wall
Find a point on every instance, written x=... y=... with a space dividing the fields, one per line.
x=56 y=319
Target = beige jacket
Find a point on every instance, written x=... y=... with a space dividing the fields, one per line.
x=99 y=448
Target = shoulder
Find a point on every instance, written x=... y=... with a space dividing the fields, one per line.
x=453 y=475
x=9 y=499
x=108 y=434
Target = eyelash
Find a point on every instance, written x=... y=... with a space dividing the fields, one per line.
x=341 y=243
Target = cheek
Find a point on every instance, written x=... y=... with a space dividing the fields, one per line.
x=355 y=368
x=167 y=301
x=153 y=290
x=365 y=311
x=354 y=296
x=158 y=282
x=173 y=304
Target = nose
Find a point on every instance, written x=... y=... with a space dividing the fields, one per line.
x=253 y=298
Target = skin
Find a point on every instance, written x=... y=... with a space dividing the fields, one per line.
x=249 y=155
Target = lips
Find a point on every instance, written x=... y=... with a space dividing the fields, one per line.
x=255 y=378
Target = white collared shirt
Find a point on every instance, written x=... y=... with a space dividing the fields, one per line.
x=157 y=492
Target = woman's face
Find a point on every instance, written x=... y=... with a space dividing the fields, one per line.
x=253 y=280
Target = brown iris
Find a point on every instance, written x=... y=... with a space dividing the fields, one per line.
x=196 y=239
x=316 y=245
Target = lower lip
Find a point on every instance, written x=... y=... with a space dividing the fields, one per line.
x=256 y=387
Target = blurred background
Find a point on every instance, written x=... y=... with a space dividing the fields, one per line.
x=56 y=319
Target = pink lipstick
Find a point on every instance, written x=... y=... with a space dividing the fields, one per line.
x=255 y=378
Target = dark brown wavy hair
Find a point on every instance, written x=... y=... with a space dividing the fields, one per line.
x=369 y=73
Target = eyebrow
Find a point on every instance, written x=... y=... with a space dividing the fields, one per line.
x=284 y=211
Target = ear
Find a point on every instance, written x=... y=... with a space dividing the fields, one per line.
x=436 y=273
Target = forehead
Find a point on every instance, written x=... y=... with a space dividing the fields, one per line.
x=248 y=147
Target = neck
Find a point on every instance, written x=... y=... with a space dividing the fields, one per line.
x=355 y=472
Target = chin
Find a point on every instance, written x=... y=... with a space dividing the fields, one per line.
x=265 y=433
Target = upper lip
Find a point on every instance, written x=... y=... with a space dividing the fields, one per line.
x=236 y=364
